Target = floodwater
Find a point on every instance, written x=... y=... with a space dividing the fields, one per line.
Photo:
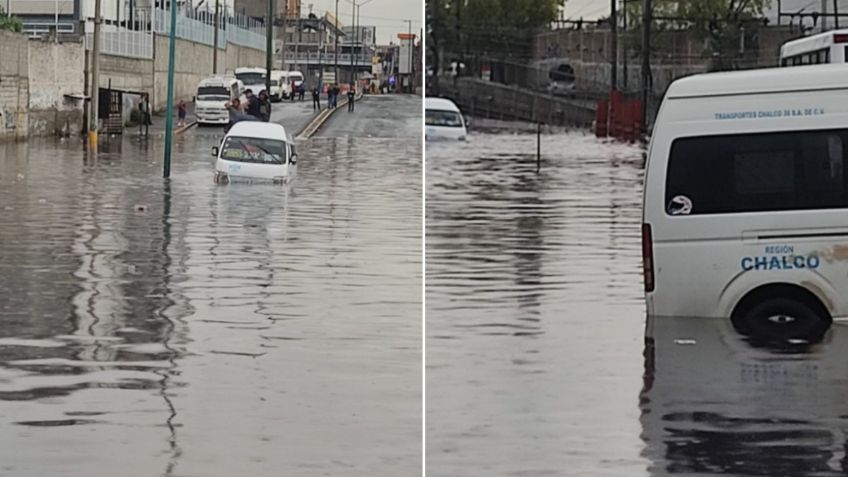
x=535 y=316
x=181 y=328
x=537 y=362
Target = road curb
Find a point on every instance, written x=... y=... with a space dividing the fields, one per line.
x=322 y=117
x=185 y=128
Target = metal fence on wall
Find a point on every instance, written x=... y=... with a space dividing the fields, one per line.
x=194 y=26
x=199 y=26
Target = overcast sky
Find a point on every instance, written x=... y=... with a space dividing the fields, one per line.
x=592 y=9
x=387 y=15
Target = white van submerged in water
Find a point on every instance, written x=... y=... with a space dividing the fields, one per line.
x=443 y=120
x=746 y=201
x=254 y=150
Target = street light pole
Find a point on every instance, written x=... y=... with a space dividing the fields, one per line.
x=215 y=46
x=169 y=115
x=411 y=47
x=269 y=46
x=336 y=35
x=646 y=61
x=614 y=50
x=95 y=79
x=353 y=21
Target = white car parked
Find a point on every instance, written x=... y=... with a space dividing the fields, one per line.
x=255 y=151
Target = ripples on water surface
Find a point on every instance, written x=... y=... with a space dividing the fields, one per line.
x=536 y=363
x=534 y=307
x=183 y=328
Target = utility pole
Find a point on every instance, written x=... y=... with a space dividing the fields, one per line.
x=269 y=46
x=411 y=48
x=169 y=117
x=823 y=15
x=95 y=79
x=336 y=35
x=283 y=38
x=624 y=44
x=215 y=46
x=613 y=46
x=836 y=14
x=353 y=22
x=646 y=61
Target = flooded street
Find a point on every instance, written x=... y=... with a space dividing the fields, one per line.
x=536 y=361
x=535 y=315
x=181 y=328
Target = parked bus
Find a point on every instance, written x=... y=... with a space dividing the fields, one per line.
x=824 y=48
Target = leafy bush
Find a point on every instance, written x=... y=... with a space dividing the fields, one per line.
x=8 y=22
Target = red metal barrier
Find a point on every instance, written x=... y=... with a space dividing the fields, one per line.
x=601 y=118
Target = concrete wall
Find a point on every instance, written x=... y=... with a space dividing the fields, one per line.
x=14 y=86
x=55 y=70
x=193 y=63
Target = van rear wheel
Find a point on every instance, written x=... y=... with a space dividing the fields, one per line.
x=783 y=319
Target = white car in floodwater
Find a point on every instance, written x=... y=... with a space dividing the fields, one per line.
x=255 y=151
x=443 y=120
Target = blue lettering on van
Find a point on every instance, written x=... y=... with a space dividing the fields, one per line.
x=769 y=114
x=780 y=262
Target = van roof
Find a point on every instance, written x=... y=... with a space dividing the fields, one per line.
x=810 y=43
x=259 y=129
x=761 y=81
x=217 y=81
x=440 y=103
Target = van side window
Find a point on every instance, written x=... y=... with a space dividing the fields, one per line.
x=758 y=173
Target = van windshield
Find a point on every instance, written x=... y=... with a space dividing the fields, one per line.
x=251 y=78
x=212 y=93
x=438 y=117
x=296 y=77
x=255 y=150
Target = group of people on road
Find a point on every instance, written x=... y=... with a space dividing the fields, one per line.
x=333 y=92
x=255 y=108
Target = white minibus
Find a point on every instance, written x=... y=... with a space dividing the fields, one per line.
x=252 y=78
x=280 y=87
x=254 y=150
x=745 y=209
x=443 y=120
x=212 y=94
x=823 y=48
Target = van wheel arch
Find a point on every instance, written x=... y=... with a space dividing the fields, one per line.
x=752 y=301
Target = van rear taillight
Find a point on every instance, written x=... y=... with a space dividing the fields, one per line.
x=840 y=38
x=648 y=257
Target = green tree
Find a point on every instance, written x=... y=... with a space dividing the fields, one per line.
x=489 y=27
x=8 y=22
x=720 y=22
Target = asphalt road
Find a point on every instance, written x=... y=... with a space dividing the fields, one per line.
x=294 y=116
x=378 y=116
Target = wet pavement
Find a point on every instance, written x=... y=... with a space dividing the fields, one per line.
x=535 y=315
x=155 y=327
x=377 y=116
x=537 y=363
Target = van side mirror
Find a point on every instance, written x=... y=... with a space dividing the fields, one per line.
x=293 y=159
x=215 y=151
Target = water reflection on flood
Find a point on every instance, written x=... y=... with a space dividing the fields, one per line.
x=714 y=404
x=534 y=307
x=177 y=327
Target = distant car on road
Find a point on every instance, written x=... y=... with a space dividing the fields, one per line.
x=562 y=80
x=443 y=120
x=255 y=151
